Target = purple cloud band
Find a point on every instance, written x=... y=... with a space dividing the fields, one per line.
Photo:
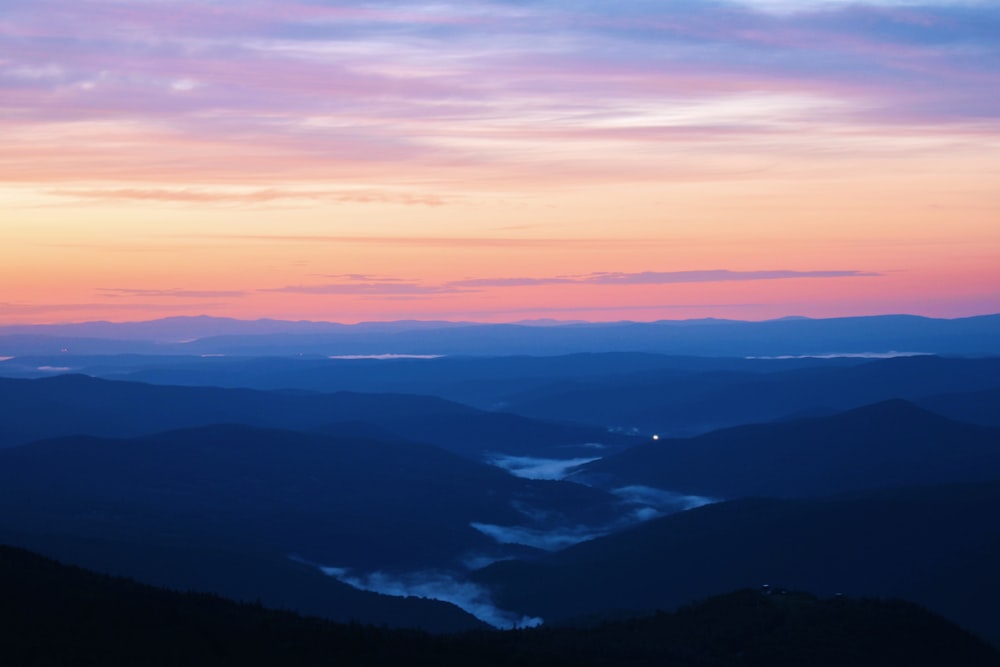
x=301 y=91
x=373 y=286
x=171 y=293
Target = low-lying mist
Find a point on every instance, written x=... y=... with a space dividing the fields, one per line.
x=530 y=467
x=436 y=585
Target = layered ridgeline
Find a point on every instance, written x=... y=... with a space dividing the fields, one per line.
x=76 y=404
x=938 y=546
x=888 y=444
x=649 y=393
x=53 y=614
x=931 y=543
x=692 y=401
x=205 y=508
x=710 y=337
x=300 y=492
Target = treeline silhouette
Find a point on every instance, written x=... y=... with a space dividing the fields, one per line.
x=51 y=614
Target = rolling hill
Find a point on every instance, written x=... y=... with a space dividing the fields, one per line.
x=53 y=614
x=888 y=444
x=882 y=543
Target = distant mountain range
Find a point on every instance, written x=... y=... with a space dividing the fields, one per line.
x=786 y=336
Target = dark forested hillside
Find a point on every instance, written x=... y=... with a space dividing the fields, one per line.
x=76 y=405
x=672 y=403
x=57 y=615
x=335 y=501
x=934 y=545
x=893 y=443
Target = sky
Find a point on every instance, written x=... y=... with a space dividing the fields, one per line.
x=498 y=161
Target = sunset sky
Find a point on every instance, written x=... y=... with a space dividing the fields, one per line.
x=498 y=161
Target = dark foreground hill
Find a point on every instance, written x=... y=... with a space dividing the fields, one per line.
x=938 y=546
x=57 y=615
x=889 y=444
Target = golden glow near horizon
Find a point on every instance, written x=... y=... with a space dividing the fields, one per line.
x=497 y=161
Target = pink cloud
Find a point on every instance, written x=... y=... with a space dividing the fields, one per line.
x=255 y=197
x=228 y=92
x=353 y=284
x=171 y=293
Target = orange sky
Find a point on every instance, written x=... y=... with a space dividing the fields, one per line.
x=441 y=161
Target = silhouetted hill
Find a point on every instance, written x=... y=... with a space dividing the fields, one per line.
x=749 y=628
x=241 y=572
x=975 y=407
x=76 y=405
x=893 y=443
x=686 y=404
x=53 y=614
x=340 y=502
x=479 y=381
x=882 y=543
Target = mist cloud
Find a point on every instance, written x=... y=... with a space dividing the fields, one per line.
x=436 y=585
x=665 y=502
x=530 y=467
x=548 y=539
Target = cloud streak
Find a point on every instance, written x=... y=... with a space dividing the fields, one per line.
x=171 y=293
x=253 y=197
x=313 y=89
x=362 y=285
x=660 y=278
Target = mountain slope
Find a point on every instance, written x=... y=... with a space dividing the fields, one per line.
x=52 y=614
x=893 y=443
x=340 y=502
x=680 y=404
x=238 y=572
x=880 y=543
x=975 y=407
x=76 y=405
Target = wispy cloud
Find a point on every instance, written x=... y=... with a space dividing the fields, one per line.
x=171 y=293
x=658 y=278
x=251 y=197
x=387 y=288
x=44 y=309
x=301 y=90
x=357 y=284
x=431 y=241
